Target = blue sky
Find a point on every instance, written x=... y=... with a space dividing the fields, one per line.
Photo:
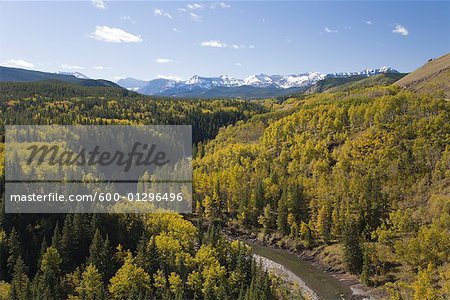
x=149 y=39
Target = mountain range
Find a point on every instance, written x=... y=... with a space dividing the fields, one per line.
x=254 y=86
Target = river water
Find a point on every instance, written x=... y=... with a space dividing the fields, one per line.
x=324 y=285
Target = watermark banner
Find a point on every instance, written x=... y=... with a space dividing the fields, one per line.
x=104 y=168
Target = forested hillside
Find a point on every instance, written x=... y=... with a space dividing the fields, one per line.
x=44 y=103
x=22 y=75
x=121 y=256
x=361 y=177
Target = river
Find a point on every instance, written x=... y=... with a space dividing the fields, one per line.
x=319 y=284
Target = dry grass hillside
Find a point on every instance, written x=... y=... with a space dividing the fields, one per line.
x=431 y=77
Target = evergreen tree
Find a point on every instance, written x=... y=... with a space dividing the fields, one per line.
x=258 y=199
x=142 y=259
x=282 y=214
x=49 y=281
x=109 y=266
x=95 y=251
x=56 y=238
x=365 y=272
x=42 y=251
x=67 y=245
x=296 y=202
x=353 y=256
x=100 y=255
x=80 y=239
x=20 y=284
x=14 y=251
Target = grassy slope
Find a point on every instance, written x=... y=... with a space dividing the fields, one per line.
x=431 y=77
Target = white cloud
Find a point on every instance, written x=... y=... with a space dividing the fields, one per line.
x=161 y=13
x=100 y=4
x=368 y=22
x=329 y=30
x=127 y=18
x=177 y=30
x=401 y=30
x=189 y=11
x=220 y=5
x=195 y=17
x=219 y=44
x=17 y=63
x=101 y=68
x=170 y=77
x=71 y=67
x=238 y=64
x=114 y=35
x=164 y=61
x=194 y=6
x=213 y=44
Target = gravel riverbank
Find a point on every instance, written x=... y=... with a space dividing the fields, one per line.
x=280 y=270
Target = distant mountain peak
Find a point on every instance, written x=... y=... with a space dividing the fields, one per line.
x=75 y=74
x=259 y=80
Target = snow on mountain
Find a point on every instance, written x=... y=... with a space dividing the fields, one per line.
x=257 y=80
x=200 y=84
x=297 y=80
x=282 y=81
x=229 y=81
x=76 y=74
x=366 y=72
x=261 y=80
x=209 y=82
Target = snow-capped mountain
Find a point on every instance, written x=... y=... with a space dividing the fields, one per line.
x=297 y=80
x=283 y=81
x=366 y=72
x=209 y=82
x=198 y=86
x=261 y=80
x=76 y=74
